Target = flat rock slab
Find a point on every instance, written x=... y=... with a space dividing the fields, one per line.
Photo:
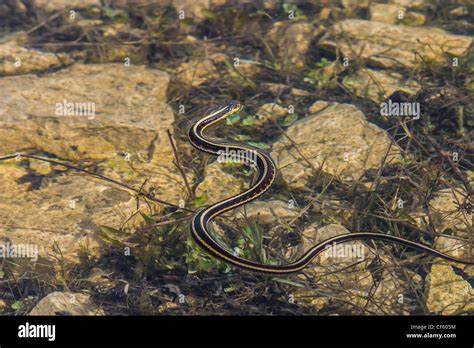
x=343 y=270
x=129 y=113
x=393 y=46
x=447 y=292
x=218 y=184
x=339 y=140
x=16 y=59
x=379 y=85
x=446 y=216
x=61 y=5
x=60 y=303
x=268 y=212
x=293 y=42
x=59 y=219
x=62 y=212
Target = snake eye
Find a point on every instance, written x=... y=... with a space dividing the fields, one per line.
x=234 y=106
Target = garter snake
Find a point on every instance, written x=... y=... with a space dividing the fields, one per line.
x=266 y=172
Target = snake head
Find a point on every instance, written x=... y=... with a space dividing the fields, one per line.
x=233 y=107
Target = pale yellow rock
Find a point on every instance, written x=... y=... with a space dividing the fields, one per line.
x=268 y=212
x=218 y=184
x=292 y=40
x=447 y=216
x=459 y=11
x=386 y=13
x=339 y=139
x=378 y=86
x=279 y=89
x=448 y=293
x=393 y=46
x=317 y=106
x=128 y=134
x=245 y=69
x=395 y=14
x=109 y=50
x=101 y=124
x=16 y=59
x=411 y=3
x=63 y=215
x=345 y=252
x=196 y=72
x=352 y=5
x=414 y=19
x=342 y=270
x=57 y=303
x=60 y=5
x=270 y=112
x=167 y=306
x=196 y=8
x=40 y=167
x=211 y=67
x=325 y=13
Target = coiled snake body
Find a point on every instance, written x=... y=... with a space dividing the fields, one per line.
x=266 y=169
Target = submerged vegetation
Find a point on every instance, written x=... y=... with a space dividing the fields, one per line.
x=153 y=266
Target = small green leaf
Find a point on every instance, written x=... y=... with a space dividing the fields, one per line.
x=233 y=119
x=262 y=146
x=113 y=13
x=347 y=82
x=2 y=274
x=248 y=121
x=243 y=137
x=323 y=63
x=17 y=305
x=289 y=120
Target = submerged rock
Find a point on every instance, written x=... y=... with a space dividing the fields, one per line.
x=60 y=5
x=347 y=272
x=454 y=224
x=379 y=85
x=195 y=9
x=269 y=112
x=218 y=184
x=293 y=42
x=200 y=71
x=268 y=212
x=448 y=293
x=110 y=113
x=66 y=303
x=395 y=14
x=393 y=46
x=89 y=111
x=15 y=59
x=338 y=140
x=59 y=217
x=196 y=72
